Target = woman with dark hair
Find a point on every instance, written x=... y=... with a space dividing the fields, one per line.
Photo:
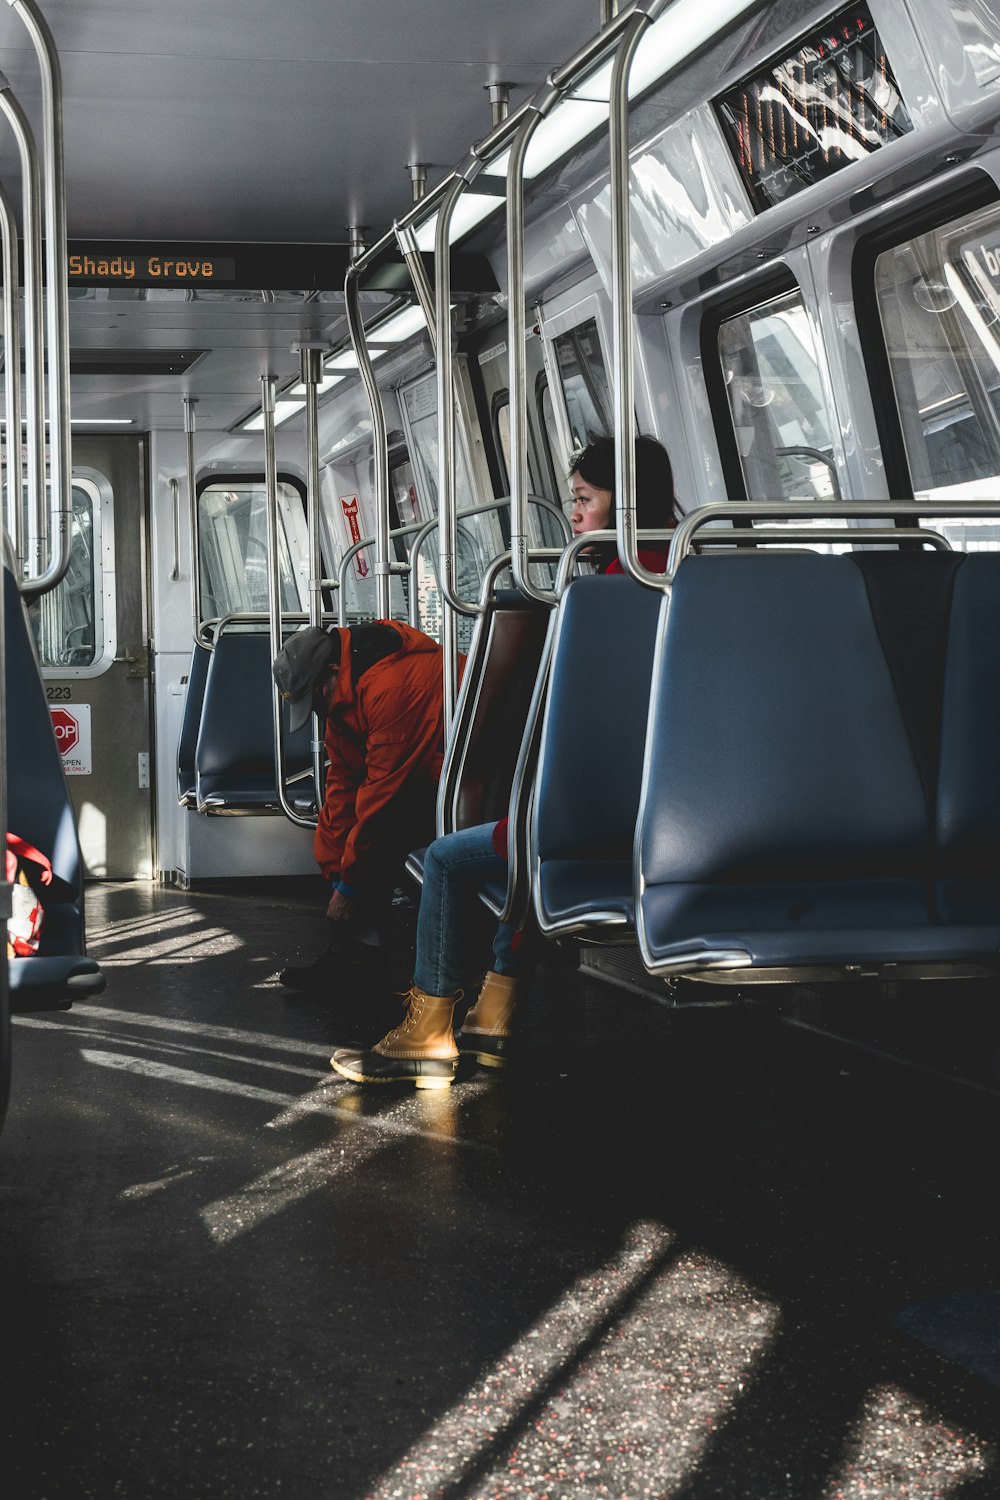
x=592 y=482
x=423 y=1049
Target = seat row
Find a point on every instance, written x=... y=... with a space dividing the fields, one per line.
x=785 y=769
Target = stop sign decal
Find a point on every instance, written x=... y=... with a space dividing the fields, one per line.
x=71 y=727
x=67 y=730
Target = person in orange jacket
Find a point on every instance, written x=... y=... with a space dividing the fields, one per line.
x=379 y=688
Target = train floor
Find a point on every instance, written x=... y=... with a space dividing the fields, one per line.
x=697 y=1253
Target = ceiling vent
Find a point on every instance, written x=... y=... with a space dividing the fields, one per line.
x=132 y=361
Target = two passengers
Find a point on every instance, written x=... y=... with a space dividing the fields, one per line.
x=424 y=1049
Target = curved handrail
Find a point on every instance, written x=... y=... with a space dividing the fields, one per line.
x=807 y=511
x=14 y=510
x=420 y=531
x=56 y=301
x=32 y=558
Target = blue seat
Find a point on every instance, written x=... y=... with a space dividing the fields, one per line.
x=194 y=698
x=40 y=812
x=234 y=752
x=819 y=763
x=587 y=781
x=505 y=658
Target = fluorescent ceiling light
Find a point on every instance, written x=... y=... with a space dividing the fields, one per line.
x=399 y=327
x=86 y=421
x=322 y=386
x=348 y=360
x=471 y=209
x=283 y=412
x=681 y=30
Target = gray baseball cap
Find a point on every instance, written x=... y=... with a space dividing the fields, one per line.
x=300 y=666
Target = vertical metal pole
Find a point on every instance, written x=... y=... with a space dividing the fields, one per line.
x=274 y=597
x=418 y=179
x=499 y=101
x=447 y=525
x=56 y=301
x=447 y=500
x=12 y=381
x=380 y=442
x=623 y=382
x=609 y=9
x=31 y=550
x=516 y=333
x=310 y=373
x=194 y=542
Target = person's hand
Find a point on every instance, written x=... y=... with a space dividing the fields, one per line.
x=340 y=908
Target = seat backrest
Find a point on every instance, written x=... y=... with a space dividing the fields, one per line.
x=590 y=757
x=968 y=799
x=234 y=753
x=496 y=692
x=38 y=804
x=778 y=749
x=194 y=698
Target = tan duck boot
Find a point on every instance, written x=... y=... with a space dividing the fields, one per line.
x=488 y=1028
x=420 y=1050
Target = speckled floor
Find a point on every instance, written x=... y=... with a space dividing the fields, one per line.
x=688 y=1254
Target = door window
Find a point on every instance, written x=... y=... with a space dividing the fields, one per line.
x=780 y=418
x=74 y=623
x=232 y=533
x=585 y=385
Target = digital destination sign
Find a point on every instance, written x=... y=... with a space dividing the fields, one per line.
x=181 y=265
x=831 y=101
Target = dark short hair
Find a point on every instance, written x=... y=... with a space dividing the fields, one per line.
x=655 y=506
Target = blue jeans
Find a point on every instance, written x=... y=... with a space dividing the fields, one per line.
x=454 y=868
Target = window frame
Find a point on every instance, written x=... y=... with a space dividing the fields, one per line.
x=965 y=198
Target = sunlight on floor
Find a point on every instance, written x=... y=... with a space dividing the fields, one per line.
x=181 y=935
x=900 y=1448
x=613 y=1391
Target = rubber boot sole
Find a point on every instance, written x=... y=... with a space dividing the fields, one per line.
x=435 y=1073
x=500 y=1059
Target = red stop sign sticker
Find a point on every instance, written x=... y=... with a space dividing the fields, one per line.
x=67 y=730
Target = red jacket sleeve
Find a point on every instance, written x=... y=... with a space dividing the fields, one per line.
x=402 y=708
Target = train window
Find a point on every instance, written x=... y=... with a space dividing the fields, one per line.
x=938 y=297
x=232 y=535
x=584 y=382
x=779 y=413
x=501 y=433
x=480 y=536
x=547 y=427
x=403 y=489
x=73 y=623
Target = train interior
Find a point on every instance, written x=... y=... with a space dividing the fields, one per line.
x=317 y=305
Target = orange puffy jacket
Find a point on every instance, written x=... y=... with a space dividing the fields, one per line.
x=379 y=736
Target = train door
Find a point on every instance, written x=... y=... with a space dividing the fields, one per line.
x=93 y=637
